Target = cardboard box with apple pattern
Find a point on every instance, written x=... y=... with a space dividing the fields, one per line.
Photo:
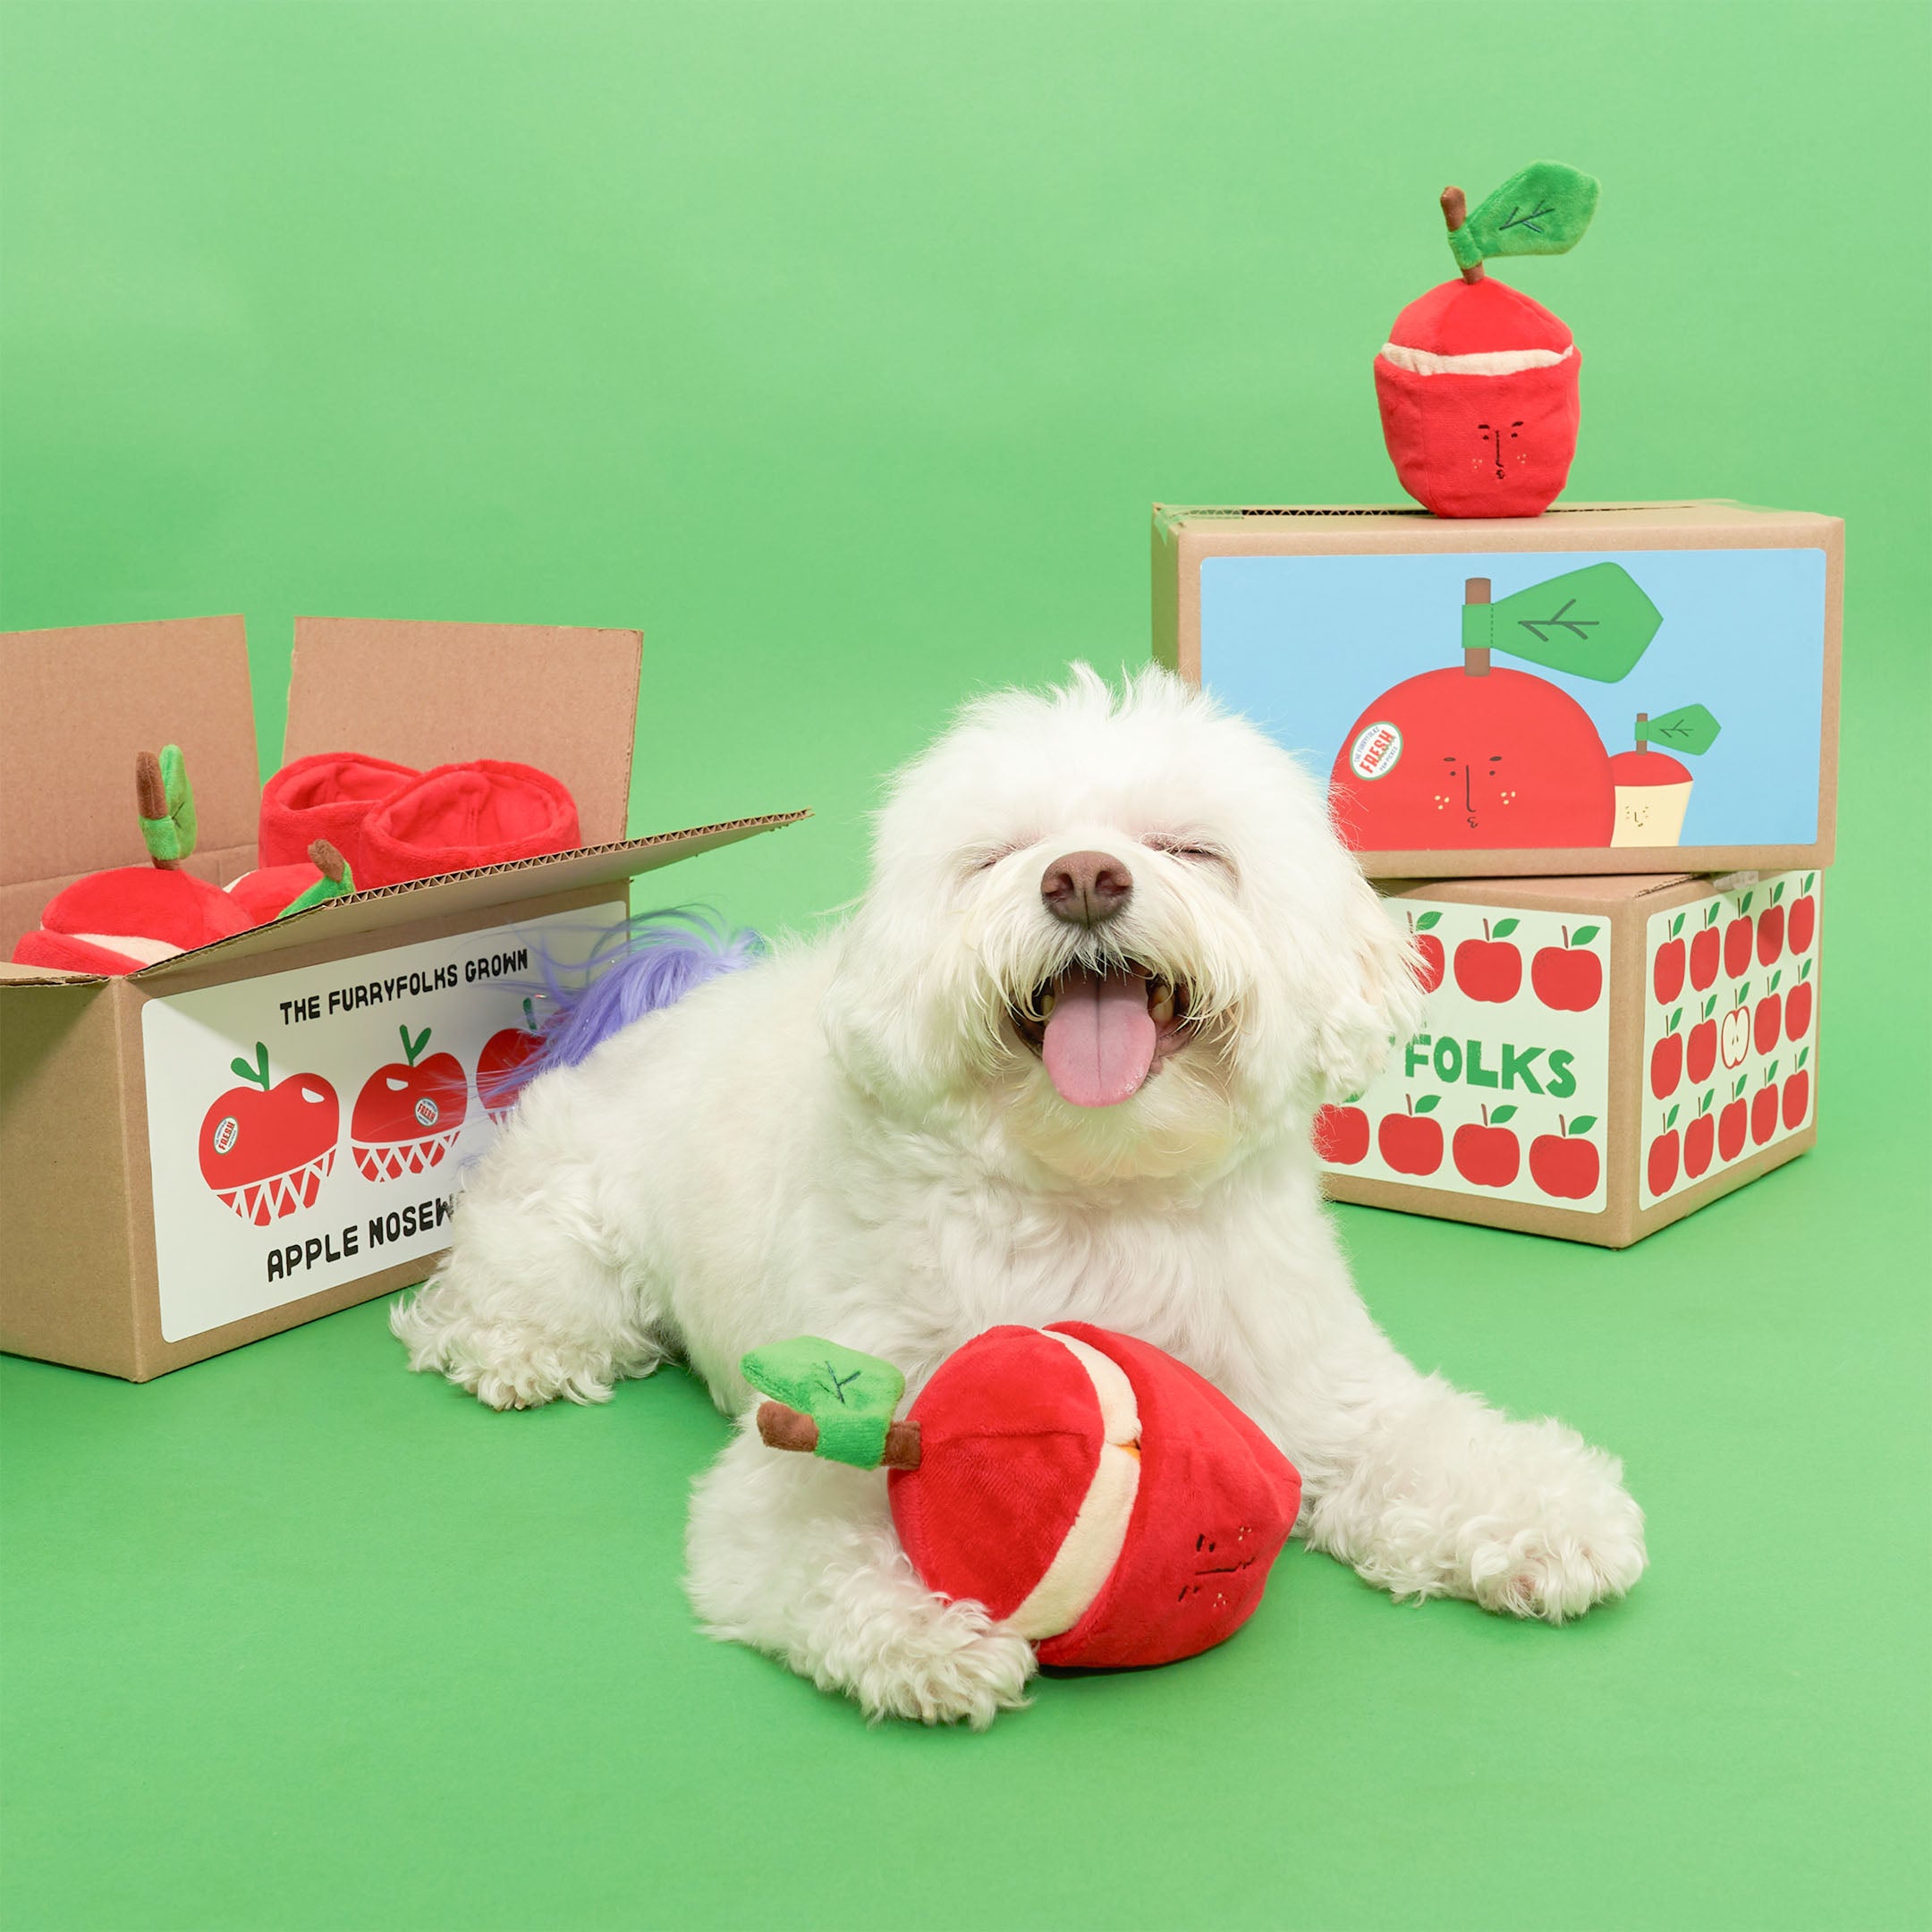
x=119 y=1254
x=1598 y=1057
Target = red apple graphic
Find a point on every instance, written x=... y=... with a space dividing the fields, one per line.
x=1479 y=756
x=1764 y=1108
x=1428 y=951
x=1769 y=1017
x=1342 y=1134
x=1668 y=969
x=1731 y=1123
x=1797 y=1091
x=267 y=1150
x=1663 y=1163
x=1733 y=1036
x=1771 y=928
x=1737 y=941
x=507 y=1063
x=1409 y=1142
x=1798 y=1003
x=409 y=1113
x=1700 y=1137
x=1568 y=977
x=1803 y=918
x=1488 y=969
x=1666 y=1058
x=1487 y=1155
x=1707 y=950
x=1701 y=1049
x=1564 y=1164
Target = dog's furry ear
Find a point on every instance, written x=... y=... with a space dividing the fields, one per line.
x=1378 y=1005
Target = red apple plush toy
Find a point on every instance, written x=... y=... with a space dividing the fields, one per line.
x=1095 y=1494
x=1477 y=383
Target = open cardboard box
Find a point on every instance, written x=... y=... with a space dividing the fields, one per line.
x=1529 y=696
x=1598 y=1057
x=117 y=1255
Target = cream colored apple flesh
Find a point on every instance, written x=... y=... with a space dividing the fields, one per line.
x=1650 y=815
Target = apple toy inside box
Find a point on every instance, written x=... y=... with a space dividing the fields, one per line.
x=1604 y=687
x=1598 y=1057
x=243 y=1136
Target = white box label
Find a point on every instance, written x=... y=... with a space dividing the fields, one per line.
x=308 y=1128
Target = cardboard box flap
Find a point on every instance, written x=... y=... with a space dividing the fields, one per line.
x=1597 y=888
x=78 y=704
x=559 y=697
x=1690 y=513
x=392 y=907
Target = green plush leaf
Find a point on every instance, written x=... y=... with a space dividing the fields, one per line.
x=1582 y=1123
x=1543 y=210
x=1497 y=1115
x=173 y=837
x=1593 y=622
x=1583 y=935
x=324 y=888
x=1428 y=1102
x=1427 y=921
x=852 y=1397
x=1504 y=928
x=1691 y=729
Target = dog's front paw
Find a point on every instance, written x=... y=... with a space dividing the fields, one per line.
x=1584 y=1543
x=945 y=1663
x=503 y=1364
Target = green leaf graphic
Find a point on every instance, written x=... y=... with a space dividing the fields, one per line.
x=1428 y=1102
x=1594 y=622
x=1670 y=1025
x=1676 y=926
x=1804 y=1053
x=1504 y=928
x=1691 y=729
x=1582 y=1123
x=1670 y=1119
x=256 y=1070
x=1427 y=921
x=1583 y=935
x=1497 y=1115
x=851 y=1396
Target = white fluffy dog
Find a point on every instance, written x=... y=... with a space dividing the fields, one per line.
x=1060 y=1063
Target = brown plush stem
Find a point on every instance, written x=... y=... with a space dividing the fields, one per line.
x=327 y=860
x=780 y=1427
x=150 y=798
x=1455 y=212
x=1476 y=661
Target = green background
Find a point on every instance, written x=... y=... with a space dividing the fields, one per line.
x=843 y=349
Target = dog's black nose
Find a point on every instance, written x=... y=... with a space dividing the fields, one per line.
x=1086 y=887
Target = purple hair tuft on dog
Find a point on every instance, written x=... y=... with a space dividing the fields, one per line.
x=650 y=962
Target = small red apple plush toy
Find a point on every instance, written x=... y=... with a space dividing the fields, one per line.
x=1097 y=1496
x=1477 y=383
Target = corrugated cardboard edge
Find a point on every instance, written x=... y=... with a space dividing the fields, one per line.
x=1183 y=535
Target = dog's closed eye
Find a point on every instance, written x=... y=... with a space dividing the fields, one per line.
x=984 y=857
x=1194 y=852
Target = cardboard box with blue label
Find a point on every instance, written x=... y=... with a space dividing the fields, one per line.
x=244 y=1135
x=1613 y=688
x=1598 y=1056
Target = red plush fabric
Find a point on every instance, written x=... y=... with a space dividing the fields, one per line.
x=459 y=817
x=1215 y=1504
x=165 y=907
x=328 y=796
x=263 y=893
x=1462 y=318
x=1009 y=1440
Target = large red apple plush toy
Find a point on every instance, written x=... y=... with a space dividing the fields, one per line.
x=1095 y=1494
x=1477 y=383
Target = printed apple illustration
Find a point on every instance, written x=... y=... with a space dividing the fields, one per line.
x=1662 y=1167
x=507 y=1063
x=1738 y=939
x=1653 y=790
x=1668 y=969
x=1771 y=928
x=267 y=1150
x=1666 y=1058
x=1341 y=1133
x=1768 y=1019
x=1701 y=1049
x=408 y=1113
x=1487 y=1155
x=1797 y=1091
x=1489 y=969
x=1798 y=1002
x=1763 y=1110
x=1479 y=756
x=1700 y=1137
x=1564 y=1164
x=1803 y=920
x=1477 y=383
x=1707 y=949
x=1429 y=962
x=1731 y=1123
x=1410 y=1142
x=1733 y=1036
x=1568 y=977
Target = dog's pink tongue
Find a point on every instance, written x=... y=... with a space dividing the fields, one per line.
x=1099 y=1038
